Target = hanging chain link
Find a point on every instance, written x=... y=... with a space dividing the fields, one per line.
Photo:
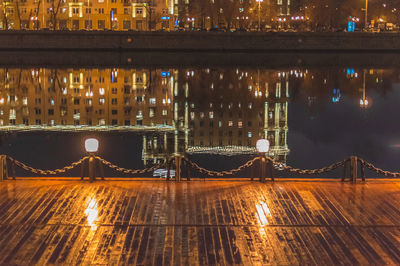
x=282 y=167
x=222 y=173
x=130 y=171
x=277 y=165
x=48 y=172
x=380 y=171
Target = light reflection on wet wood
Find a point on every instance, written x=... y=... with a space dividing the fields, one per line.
x=199 y=223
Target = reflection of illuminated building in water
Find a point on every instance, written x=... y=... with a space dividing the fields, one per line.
x=177 y=111
x=116 y=97
x=228 y=111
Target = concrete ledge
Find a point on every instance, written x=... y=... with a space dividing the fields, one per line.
x=126 y=59
x=199 y=41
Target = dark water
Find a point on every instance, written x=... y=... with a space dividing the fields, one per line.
x=141 y=116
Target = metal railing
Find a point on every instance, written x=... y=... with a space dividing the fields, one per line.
x=183 y=166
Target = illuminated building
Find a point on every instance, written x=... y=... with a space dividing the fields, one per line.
x=87 y=14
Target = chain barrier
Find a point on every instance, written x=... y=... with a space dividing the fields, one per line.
x=282 y=167
x=278 y=166
x=48 y=172
x=377 y=170
x=130 y=171
x=222 y=173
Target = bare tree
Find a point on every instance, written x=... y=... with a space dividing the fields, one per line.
x=55 y=8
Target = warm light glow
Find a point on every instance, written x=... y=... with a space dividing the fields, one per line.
x=92 y=213
x=262 y=145
x=91 y=145
x=263 y=212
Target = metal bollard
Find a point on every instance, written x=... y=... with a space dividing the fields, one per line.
x=262 y=169
x=353 y=168
x=178 y=161
x=3 y=168
x=92 y=169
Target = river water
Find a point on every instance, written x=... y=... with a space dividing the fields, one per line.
x=312 y=116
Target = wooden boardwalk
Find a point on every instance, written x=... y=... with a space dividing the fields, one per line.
x=199 y=223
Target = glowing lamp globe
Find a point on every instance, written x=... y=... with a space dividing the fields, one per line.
x=262 y=146
x=91 y=145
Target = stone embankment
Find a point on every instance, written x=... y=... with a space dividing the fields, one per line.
x=199 y=41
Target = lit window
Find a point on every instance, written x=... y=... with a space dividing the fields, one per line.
x=220 y=124
x=230 y=123
x=164 y=112
x=211 y=115
x=192 y=115
x=249 y=134
x=240 y=124
x=101 y=91
x=102 y=101
x=152 y=100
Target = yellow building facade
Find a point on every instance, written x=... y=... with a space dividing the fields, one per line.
x=121 y=15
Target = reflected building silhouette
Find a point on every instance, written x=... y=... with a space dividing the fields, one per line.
x=229 y=110
x=175 y=111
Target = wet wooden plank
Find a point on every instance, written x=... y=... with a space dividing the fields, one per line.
x=199 y=223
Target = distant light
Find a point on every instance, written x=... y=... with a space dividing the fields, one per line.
x=91 y=145
x=165 y=74
x=262 y=146
x=165 y=18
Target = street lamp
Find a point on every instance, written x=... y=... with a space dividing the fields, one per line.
x=92 y=146
x=262 y=147
x=366 y=14
x=259 y=14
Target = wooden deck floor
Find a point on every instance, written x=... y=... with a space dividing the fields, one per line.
x=191 y=223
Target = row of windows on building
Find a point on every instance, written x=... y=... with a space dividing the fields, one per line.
x=77 y=122
x=63 y=112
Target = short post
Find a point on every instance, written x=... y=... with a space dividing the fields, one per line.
x=168 y=169
x=353 y=168
x=91 y=146
x=262 y=147
x=178 y=168
x=344 y=171
x=271 y=170
x=3 y=167
x=92 y=168
x=262 y=169
x=362 y=170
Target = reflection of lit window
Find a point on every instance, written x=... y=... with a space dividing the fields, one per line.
x=151 y=112
x=250 y=105
x=192 y=115
x=211 y=114
x=230 y=123
x=201 y=115
x=102 y=101
x=220 y=124
x=51 y=101
x=13 y=113
x=164 y=112
x=101 y=91
x=249 y=134
x=152 y=100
